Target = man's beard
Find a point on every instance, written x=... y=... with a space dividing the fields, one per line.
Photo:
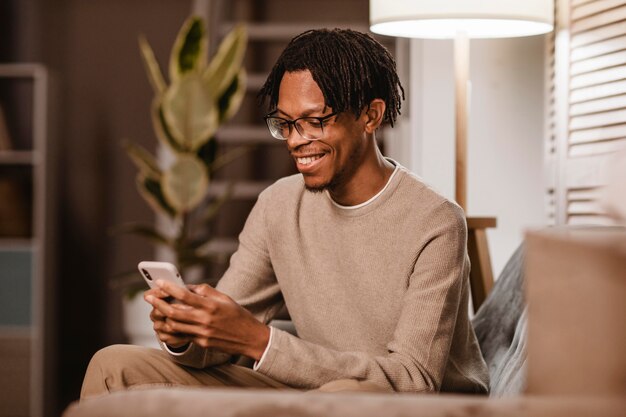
x=342 y=176
x=330 y=185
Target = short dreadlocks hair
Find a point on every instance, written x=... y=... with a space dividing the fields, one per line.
x=351 y=68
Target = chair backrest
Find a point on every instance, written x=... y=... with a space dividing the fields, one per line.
x=500 y=326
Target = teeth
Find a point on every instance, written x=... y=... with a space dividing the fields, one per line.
x=308 y=160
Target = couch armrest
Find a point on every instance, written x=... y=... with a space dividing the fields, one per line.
x=576 y=292
x=198 y=402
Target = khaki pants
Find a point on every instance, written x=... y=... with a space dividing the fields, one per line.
x=121 y=367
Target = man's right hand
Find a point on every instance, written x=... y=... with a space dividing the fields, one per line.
x=163 y=331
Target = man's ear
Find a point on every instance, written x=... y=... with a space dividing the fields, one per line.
x=374 y=115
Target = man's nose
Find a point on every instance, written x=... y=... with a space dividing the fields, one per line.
x=295 y=139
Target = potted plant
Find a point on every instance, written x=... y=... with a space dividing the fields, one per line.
x=186 y=114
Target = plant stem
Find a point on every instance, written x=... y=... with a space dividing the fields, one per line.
x=182 y=240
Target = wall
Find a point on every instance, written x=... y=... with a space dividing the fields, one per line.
x=506 y=128
x=102 y=97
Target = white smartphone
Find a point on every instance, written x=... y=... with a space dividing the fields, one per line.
x=151 y=271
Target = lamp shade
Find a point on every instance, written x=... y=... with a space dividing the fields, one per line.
x=444 y=19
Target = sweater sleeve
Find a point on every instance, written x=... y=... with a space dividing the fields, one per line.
x=249 y=280
x=418 y=352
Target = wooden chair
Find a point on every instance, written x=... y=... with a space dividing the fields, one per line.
x=481 y=274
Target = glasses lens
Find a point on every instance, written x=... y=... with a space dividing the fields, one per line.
x=279 y=128
x=310 y=128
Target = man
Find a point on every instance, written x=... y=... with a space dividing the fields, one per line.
x=370 y=262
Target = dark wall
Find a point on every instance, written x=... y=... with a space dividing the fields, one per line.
x=102 y=96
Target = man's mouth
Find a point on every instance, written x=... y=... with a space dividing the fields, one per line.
x=306 y=160
x=308 y=163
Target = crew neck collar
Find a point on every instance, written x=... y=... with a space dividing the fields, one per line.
x=357 y=208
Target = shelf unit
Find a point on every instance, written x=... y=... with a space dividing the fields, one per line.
x=25 y=232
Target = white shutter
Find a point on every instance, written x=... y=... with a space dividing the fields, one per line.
x=587 y=109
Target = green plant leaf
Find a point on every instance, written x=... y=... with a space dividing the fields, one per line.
x=160 y=127
x=143 y=230
x=189 y=50
x=152 y=66
x=229 y=156
x=231 y=99
x=184 y=184
x=151 y=191
x=190 y=112
x=227 y=61
x=142 y=159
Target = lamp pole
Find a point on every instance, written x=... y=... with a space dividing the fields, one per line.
x=461 y=78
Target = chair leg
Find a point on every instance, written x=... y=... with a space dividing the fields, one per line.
x=481 y=274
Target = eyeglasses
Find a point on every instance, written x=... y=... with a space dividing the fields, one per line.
x=310 y=128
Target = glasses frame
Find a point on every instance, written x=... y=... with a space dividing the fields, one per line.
x=294 y=123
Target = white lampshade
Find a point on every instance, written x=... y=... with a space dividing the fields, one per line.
x=444 y=19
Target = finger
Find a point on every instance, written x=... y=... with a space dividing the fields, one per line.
x=163 y=327
x=173 y=339
x=156 y=315
x=159 y=306
x=155 y=292
x=204 y=290
x=159 y=326
x=210 y=293
x=181 y=306
x=179 y=293
x=187 y=314
x=214 y=335
x=188 y=329
x=179 y=312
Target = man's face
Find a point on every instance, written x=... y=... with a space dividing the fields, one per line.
x=331 y=161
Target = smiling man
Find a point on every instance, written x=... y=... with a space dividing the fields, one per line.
x=342 y=159
x=370 y=262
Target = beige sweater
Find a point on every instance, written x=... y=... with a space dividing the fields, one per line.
x=376 y=293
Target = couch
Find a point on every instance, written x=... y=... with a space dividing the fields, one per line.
x=552 y=332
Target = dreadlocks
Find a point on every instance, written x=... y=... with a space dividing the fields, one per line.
x=351 y=68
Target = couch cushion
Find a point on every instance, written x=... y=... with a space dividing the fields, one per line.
x=204 y=402
x=576 y=289
x=500 y=326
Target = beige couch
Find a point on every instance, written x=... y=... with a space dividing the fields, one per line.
x=575 y=366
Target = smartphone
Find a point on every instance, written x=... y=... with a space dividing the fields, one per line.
x=151 y=271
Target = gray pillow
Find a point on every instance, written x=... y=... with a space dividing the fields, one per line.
x=500 y=326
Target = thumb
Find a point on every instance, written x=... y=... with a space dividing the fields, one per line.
x=204 y=290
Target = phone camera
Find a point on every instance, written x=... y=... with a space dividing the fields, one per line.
x=147 y=274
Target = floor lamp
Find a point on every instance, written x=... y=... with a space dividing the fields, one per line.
x=461 y=20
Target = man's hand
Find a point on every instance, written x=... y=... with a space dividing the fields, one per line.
x=209 y=318
x=171 y=339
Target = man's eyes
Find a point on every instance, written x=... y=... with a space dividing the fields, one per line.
x=312 y=123
x=281 y=124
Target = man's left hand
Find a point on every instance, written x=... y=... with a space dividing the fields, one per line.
x=214 y=320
